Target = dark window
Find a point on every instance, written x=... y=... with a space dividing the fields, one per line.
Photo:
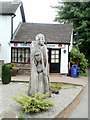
x=20 y=55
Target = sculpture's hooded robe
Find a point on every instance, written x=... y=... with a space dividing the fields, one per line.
x=39 y=80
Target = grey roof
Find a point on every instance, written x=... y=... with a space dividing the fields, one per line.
x=53 y=32
x=8 y=8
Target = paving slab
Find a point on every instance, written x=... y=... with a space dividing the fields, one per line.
x=67 y=79
x=55 y=78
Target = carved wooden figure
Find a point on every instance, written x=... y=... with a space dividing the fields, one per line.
x=39 y=79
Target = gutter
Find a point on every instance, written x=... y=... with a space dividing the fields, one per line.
x=8 y=14
x=18 y=41
x=22 y=13
x=12 y=25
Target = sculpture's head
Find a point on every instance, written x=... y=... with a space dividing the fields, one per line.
x=40 y=38
x=37 y=56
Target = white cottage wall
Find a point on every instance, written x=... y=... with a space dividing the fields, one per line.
x=17 y=19
x=5 y=36
x=64 y=60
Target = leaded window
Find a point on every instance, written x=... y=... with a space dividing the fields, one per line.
x=20 y=55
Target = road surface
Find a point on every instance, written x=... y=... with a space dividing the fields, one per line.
x=81 y=111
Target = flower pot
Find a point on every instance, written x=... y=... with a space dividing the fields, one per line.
x=13 y=72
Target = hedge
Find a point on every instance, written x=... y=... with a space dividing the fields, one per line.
x=6 y=74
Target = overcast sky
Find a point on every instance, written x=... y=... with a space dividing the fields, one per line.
x=39 y=11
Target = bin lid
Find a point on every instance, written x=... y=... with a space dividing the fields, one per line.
x=74 y=66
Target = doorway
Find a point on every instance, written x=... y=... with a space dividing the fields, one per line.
x=54 y=60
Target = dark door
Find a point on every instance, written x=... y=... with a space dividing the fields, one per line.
x=54 y=60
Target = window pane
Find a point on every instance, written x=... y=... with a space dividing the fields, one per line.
x=19 y=60
x=15 y=60
x=52 y=60
x=12 y=54
x=57 y=56
x=26 y=54
x=22 y=51
x=57 y=51
x=22 y=60
x=15 y=55
x=12 y=59
x=19 y=50
x=52 y=56
x=19 y=54
x=57 y=61
x=53 y=52
x=15 y=50
x=26 y=59
x=27 y=50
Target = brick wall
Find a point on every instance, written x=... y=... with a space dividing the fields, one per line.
x=23 y=69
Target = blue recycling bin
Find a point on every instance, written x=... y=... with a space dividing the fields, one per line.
x=75 y=71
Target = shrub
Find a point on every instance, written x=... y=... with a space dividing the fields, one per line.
x=12 y=66
x=55 y=86
x=13 y=69
x=6 y=74
x=21 y=116
x=79 y=58
x=34 y=104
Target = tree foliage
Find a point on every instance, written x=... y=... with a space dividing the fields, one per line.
x=79 y=58
x=77 y=13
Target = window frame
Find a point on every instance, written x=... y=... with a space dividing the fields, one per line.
x=55 y=53
x=17 y=53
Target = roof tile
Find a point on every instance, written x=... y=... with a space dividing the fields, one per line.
x=8 y=7
x=53 y=32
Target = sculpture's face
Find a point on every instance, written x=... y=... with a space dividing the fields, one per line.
x=37 y=56
x=40 y=39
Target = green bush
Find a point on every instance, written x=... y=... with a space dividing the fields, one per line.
x=79 y=58
x=34 y=104
x=21 y=116
x=6 y=74
x=13 y=69
x=55 y=86
x=12 y=66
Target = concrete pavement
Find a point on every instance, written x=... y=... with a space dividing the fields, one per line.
x=81 y=111
x=56 y=78
x=81 y=81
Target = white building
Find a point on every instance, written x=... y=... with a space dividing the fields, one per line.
x=16 y=37
x=11 y=15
